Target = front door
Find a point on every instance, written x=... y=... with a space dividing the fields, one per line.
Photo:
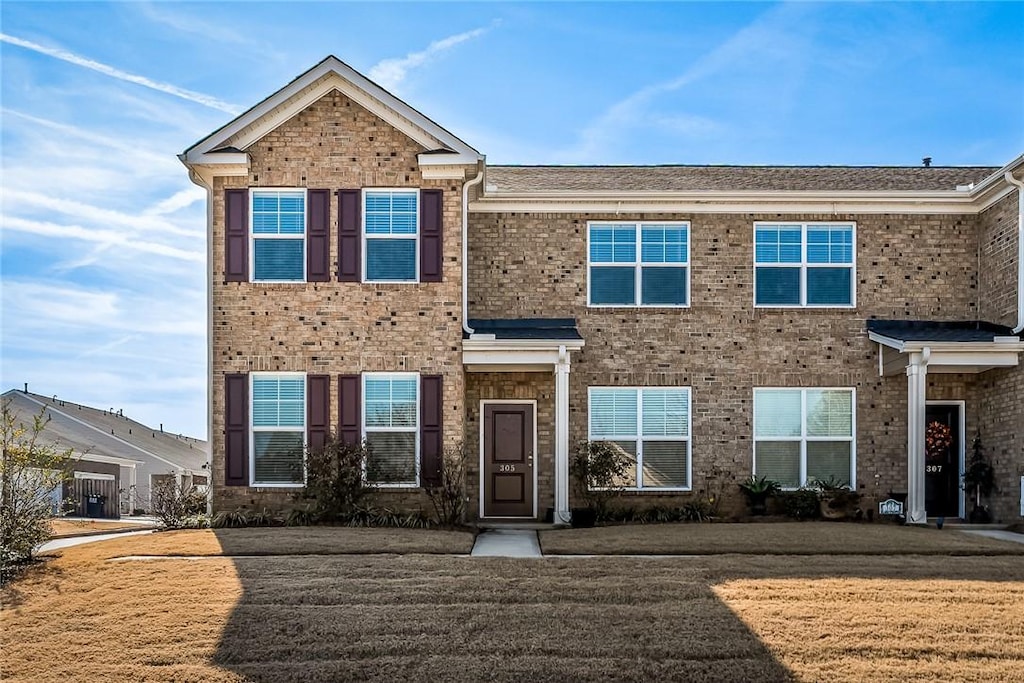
x=942 y=460
x=508 y=460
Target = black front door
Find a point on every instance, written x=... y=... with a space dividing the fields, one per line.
x=942 y=460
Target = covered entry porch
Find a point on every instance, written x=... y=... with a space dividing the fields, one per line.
x=517 y=405
x=936 y=429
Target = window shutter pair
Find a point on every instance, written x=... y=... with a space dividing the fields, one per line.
x=318 y=400
x=236 y=234
x=350 y=236
x=431 y=411
x=236 y=422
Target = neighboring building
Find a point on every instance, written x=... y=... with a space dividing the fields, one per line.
x=116 y=458
x=717 y=320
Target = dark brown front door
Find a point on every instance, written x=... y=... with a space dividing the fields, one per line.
x=508 y=460
x=942 y=461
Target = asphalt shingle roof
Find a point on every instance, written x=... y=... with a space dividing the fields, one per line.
x=936 y=331
x=528 y=328
x=525 y=179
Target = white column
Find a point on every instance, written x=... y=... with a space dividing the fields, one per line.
x=917 y=379
x=562 y=437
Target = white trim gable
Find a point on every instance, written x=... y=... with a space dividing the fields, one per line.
x=330 y=74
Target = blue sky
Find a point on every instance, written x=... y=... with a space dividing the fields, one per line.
x=103 y=251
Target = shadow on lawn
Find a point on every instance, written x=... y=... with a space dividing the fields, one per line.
x=467 y=619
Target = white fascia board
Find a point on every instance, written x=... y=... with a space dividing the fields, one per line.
x=836 y=203
x=330 y=74
x=998 y=176
x=454 y=159
x=217 y=159
x=513 y=345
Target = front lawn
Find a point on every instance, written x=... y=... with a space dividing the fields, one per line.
x=793 y=538
x=87 y=616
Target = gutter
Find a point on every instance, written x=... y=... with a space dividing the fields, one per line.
x=1020 y=249
x=465 y=251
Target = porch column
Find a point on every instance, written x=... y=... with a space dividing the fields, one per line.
x=917 y=376
x=562 y=437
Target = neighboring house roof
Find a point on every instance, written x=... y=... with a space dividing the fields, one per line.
x=93 y=432
x=528 y=179
x=527 y=328
x=939 y=331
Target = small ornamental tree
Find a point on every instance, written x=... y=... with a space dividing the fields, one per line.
x=335 y=484
x=979 y=480
x=448 y=495
x=29 y=473
x=176 y=505
x=598 y=469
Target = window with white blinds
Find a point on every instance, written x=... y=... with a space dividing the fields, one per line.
x=391 y=227
x=278 y=235
x=278 y=429
x=804 y=435
x=651 y=426
x=390 y=426
x=638 y=264
x=804 y=264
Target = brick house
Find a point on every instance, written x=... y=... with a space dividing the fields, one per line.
x=370 y=275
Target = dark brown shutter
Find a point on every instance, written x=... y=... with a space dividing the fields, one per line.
x=236 y=235
x=349 y=236
x=431 y=235
x=431 y=402
x=318 y=410
x=318 y=236
x=350 y=410
x=236 y=430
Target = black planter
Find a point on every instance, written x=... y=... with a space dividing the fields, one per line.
x=980 y=515
x=583 y=518
x=758 y=504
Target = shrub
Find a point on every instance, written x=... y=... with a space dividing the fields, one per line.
x=598 y=469
x=230 y=519
x=334 y=480
x=801 y=504
x=448 y=497
x=29 y=472
x=172 y=503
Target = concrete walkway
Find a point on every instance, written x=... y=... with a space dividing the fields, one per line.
x=507 y=543
x=59 y=543
x=997 y=534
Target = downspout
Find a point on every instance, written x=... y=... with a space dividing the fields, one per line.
x=465 y=251
x=1020 y=250
x=198 y=180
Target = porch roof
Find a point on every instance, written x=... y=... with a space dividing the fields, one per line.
x=968 y=346
x=519 y=344
x=563 y=329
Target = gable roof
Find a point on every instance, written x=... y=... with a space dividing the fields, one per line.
x=530 y=179
x=93 y=432
x=226 y=144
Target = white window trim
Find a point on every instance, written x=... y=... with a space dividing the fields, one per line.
x=639 y=264
x=253 y=191
x=253 y=429
x=414 y=237
x=804 y=438
x=803 y=265
x=415 y=430
x=639 y=438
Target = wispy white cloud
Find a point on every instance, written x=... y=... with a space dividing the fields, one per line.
x=84 y=62
x=178 y=201
x=108 y=238
x=389 y=73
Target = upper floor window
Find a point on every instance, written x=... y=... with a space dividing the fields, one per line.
x=391 y=229
x=804 y=435
x=278 y=429
x=278 y=235
x=804 y=264
x=651 y=426
x=390 y=427
x=639 y=264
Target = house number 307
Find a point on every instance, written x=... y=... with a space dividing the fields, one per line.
x=932 y=468
x=504 y=469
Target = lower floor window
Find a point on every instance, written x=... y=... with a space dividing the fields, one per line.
x=391 y=425
x=278 y=429
x=651 y=427
x=802 y=436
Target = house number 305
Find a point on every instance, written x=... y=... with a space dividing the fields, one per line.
x=506 y=468
x=932 y=468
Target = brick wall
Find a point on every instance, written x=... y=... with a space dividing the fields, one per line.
x=335 y=328
x=997 y=262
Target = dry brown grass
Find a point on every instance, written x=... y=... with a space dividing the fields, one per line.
x=419 y=617
x=62 y=528
x=806 y=538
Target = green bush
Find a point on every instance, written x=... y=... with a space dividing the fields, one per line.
x=801 y=504
x=335 y=485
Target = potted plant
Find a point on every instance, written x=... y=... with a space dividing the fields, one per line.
x=597 y=469
x=979 y=481
x=757 y=491
x=838 y=500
